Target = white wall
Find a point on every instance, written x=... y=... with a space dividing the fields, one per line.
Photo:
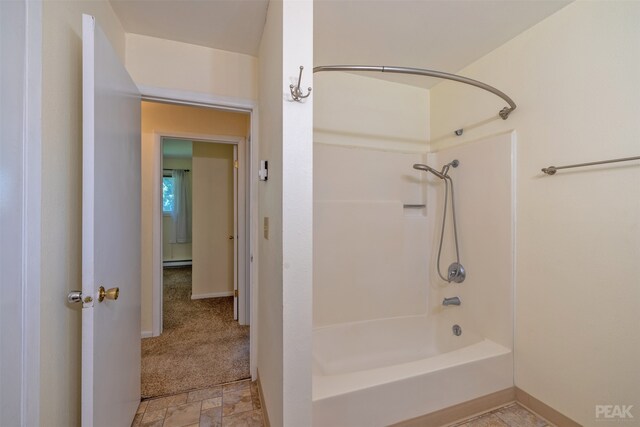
x=370 y=253
x=375 y=259
x=176 y=251
x=367 y=135
x=483 y=188
x=212 y=220
x=61 y=200
x=297 y=215
x=575 y=79
x=170 y=64
x=284 y=270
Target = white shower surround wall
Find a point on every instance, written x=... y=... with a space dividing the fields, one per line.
x=375 y=366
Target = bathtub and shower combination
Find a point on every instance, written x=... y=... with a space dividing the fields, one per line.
x=395 y=336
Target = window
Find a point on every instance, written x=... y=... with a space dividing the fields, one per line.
x=168 y=199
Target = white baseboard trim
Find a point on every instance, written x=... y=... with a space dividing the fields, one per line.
x=212 y=295
x=146 y=334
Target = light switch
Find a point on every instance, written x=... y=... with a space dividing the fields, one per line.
x=266 y=227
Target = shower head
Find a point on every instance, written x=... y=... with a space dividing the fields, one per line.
x=421 y=167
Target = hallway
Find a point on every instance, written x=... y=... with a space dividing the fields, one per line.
x=201 y=345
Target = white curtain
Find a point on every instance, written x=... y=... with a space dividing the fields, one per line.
x=181 y=214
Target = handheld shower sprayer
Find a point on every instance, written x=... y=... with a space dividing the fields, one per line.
x=421 y=167
x=443 y=174
x=456 y=272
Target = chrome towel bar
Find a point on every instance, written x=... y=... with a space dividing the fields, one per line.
x=551 y=170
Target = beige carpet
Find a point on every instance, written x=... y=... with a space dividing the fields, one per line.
x=201 y=344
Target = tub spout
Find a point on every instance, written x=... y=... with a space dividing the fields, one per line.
x=451 y=301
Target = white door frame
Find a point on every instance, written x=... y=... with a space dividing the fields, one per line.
x=20 y=185
x=241 y=193
x=196 y=99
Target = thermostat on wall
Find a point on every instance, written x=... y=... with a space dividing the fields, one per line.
x=263 y=173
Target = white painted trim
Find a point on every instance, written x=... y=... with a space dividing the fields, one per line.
x=197 y=99
x=199 y=137
x=251 y=297
x=238 y=219
x=146 y=334
x=158 y=214
x=33 y=211
x=212 y=295
x=20 y=152
x=156 y=239
x=175 y=96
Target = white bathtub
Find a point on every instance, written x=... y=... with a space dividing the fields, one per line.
x=380 y=372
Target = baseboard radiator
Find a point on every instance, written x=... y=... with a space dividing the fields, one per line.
x=176 y=263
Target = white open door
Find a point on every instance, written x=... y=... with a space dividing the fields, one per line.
x=110 y=234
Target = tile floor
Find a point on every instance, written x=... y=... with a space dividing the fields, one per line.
x=512 y=415
x=237 y=404
x=233 y=405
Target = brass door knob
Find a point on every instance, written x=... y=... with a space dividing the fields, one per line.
x=111 y=293
x=230 y=237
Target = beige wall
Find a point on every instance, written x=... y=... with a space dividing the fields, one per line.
x=170 y=119
x=175 y=251
x=361 y=111
x=212 y=220
x=269 y=292
x=575 y=79
x=61 y=199
x=169 y=64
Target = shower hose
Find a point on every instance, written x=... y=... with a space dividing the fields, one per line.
x=448 y=182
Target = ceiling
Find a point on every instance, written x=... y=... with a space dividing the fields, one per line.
x=444 y=35
x=232 y=25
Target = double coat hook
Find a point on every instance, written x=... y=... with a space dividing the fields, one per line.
x=296 y=92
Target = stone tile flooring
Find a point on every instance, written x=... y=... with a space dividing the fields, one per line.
x=233 y=405
x=511 y=415
x=238 y=404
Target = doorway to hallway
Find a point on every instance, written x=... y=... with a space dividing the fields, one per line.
x=200 y=237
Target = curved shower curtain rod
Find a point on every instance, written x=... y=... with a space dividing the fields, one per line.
x=504 y=113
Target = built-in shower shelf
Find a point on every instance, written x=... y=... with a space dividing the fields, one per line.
x=414 y=209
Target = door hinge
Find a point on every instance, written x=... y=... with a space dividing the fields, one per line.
x=235 y=293
x=235 y=164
